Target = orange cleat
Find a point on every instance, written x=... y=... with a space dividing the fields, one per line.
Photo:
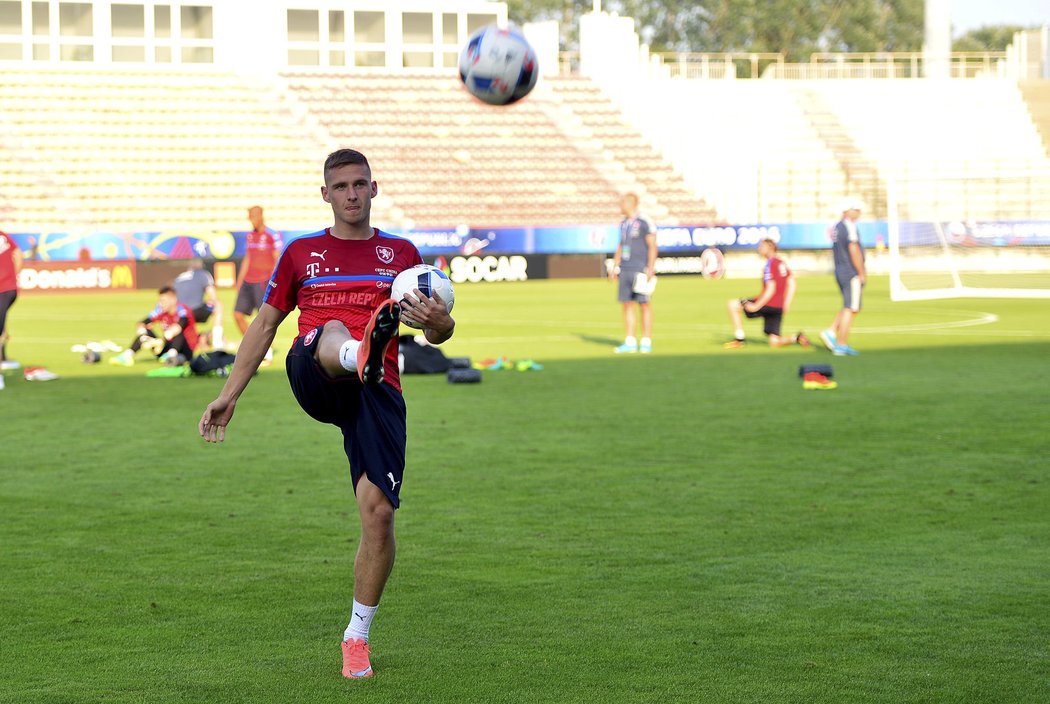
x=379 y=333
x=355 y=659
x=816 y=380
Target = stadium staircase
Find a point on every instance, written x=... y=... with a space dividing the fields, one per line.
x=664 y=193
x=1037 y=97
x=862 y=176
x=967 y=148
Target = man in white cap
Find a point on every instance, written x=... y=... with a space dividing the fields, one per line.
x=851 y=276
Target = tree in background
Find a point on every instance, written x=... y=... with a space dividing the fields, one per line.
x=987 y=39
x=795 y=28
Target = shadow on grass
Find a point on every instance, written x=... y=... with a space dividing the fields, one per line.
x=599 y=340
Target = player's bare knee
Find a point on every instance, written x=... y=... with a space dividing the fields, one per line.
x=377 y=518
x=336 y=327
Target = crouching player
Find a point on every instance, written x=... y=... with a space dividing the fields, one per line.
x=342 y=367
x=778 y=289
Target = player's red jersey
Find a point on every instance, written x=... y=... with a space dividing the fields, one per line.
x=182 y=317
x=334 y=279
x=259 y=254
x=777 y=272
x=8 y=279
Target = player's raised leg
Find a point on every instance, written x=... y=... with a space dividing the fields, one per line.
x=340 y=354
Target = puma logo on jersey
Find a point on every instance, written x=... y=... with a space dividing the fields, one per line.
x=319 y=254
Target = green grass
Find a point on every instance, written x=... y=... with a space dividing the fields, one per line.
x=687 y=526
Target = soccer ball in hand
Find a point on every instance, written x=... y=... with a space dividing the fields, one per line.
x=429 y=280
x=498 y=66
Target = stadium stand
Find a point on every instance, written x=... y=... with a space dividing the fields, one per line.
x=790 y=150
x=746 y=146
x=149 y=148
x=950 y=131
x=1037 y=96
x=447 y=160
x=154 y=147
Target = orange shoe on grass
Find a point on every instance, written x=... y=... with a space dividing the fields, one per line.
x=355 y=659
x=379 y=333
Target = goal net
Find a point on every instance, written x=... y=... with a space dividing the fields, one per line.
x=982 y=237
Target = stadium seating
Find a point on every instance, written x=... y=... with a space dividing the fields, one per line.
x=783 y=150
x=446 y=160
x=153 y=148
x=100 y=148
x=955 y=146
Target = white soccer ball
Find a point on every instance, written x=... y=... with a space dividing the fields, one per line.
x=429 y=280
x=498 y=66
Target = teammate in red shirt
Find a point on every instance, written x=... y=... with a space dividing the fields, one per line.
x=10 y=265
x=178 y=336
x=263 y=247
x=342 y=366
x=778 y=288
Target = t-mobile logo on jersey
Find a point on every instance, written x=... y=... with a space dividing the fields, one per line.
x=312 y=268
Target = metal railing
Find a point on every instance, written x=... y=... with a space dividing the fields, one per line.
x=718 y=65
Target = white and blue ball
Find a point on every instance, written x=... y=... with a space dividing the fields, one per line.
x=429 y=280
x=498 y=66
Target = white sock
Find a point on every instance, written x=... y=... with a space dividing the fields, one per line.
x=647 y=342
x=348 y=356
x=630 y=341
x=739 y=333
x=360 y=622
x=216 y=336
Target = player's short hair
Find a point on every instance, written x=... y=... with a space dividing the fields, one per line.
x=632 y=195
x=771 y=243
x=343 y=157
x=165 y=289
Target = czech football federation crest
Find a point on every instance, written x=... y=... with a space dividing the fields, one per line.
x=385 y=254
x=309 y=339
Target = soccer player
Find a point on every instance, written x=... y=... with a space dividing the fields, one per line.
x=851 y=277
x=178 y=336
x=10 y=265
x=635 y=254
x=195 y=289
x=778 y=289
x=263 y=247
x=342 y=367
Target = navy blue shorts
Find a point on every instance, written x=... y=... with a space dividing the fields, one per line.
x=372 y=418
x=771 y=317
x=7 y=299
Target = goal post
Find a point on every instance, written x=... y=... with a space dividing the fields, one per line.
x=978 y=237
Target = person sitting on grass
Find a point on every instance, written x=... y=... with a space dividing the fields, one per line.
x=177 y=338
x=778 y=289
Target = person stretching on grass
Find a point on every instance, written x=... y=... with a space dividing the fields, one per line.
x=342 y=367
x=778 y=289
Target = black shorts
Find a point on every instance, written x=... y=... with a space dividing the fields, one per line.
x=202 y=312
x=772 y=317
x=372 y=418
x=7 y=299
x=249 y=297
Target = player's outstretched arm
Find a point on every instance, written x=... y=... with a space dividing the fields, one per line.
x=250 y=354
x=431 y=313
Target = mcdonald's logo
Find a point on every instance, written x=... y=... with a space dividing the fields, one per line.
x=123 y=277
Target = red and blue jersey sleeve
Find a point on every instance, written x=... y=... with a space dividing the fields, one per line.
x=282 y=291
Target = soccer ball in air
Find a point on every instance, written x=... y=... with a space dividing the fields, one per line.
x=428 y=279
x=498 y=66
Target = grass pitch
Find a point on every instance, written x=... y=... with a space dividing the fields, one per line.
x=682 y=527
